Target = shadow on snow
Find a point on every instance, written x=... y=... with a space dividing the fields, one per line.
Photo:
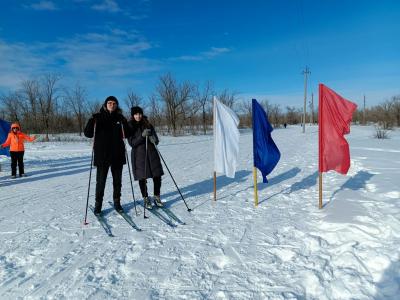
x=356 y=182
x=389 y=285
x=56 y=168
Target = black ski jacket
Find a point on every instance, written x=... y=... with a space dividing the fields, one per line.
x=106 y=128
x=138 y=155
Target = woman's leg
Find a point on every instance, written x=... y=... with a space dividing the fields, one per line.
x=157 y=185
x=143 y=190
x=14 y=159
x=101 y=177
x=143 y=187
x=157 y=188
x=116 y=172
x=21 y=163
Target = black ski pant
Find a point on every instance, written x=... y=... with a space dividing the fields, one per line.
x=17 y=157
x=101 y=177
x=156 y=183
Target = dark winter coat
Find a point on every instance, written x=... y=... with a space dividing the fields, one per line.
x=138 y=154
x=109 y=147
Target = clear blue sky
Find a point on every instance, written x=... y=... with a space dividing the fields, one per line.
x=255 y=48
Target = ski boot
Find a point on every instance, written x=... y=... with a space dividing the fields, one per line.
x=117 y=205
x=157 y=201
x=147 y=203
x=97 y=208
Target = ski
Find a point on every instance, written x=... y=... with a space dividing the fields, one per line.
x=161 y=217
x=127 y=218
x=169 y=213
x=172 y=216
x=103 y=223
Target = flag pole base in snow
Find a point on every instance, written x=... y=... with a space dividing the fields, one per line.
x=255 y=187
x=215 y=186
x=320 y=191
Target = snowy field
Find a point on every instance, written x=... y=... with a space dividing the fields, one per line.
x=286 y=248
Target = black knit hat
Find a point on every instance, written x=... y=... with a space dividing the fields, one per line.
x=111 y=98
x=136 y=110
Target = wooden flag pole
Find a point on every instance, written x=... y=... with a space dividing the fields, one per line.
x=215 y=173
x=320 y=190
x=215 y=186
x=255 y=186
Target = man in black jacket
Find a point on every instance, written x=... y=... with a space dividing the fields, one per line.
x=108 y=127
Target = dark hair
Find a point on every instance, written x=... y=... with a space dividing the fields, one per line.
x=111 y=98
x=136 y=110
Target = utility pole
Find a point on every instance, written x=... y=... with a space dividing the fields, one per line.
x=312 y=109
x=364 y=112
x=306 y=72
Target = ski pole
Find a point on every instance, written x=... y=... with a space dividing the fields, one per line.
x=189 y=209
x=90 y=174
x=129 y=167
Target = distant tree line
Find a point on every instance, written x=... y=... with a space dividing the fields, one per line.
x=43 y=105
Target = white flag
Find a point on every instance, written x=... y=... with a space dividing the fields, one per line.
x=226 y=139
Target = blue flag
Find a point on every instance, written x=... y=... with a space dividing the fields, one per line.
x=4 y=130
x=266 y=153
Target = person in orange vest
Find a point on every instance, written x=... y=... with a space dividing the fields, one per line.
x=16 y=140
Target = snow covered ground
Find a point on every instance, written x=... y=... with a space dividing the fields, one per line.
x=286 y=248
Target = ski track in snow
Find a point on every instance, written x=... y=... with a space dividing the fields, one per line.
x=286 y=248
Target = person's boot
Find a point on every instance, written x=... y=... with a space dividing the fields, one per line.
x=147 y=203
x=117 y=205
x=97 y=208
x=157 y=201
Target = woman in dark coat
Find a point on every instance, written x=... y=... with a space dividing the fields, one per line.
x=145 y=165
x=109 y=149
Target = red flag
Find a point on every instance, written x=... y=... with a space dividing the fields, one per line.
x=334 y=117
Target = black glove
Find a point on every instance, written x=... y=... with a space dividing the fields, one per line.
x=152 y=139
x=146 y=132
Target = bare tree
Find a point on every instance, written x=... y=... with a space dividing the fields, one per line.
x=47 y=100
x=293 y=115
x=76 y=101
x=174 y=97
x=275 y=115
x=94 y=107
x=267 y=107
x=396 y=109
x=30 y=95
x=204 y=102
x=155 y=111
x=383 y=114
x=132 y=100
x=246 y=110
x=11 y=104
x=228 y=98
